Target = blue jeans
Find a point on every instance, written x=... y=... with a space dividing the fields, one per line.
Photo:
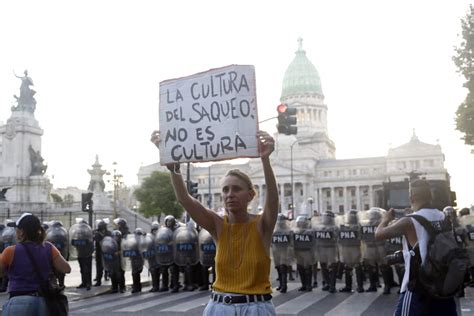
x=25 y=305
x=412 y=304
x=245 y=309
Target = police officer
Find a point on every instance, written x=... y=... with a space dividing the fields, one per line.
x=131 y=251
x=467 y=223
x=282 y=250
x=303 y=245
x=325 y=234
x=111 y=255
x=154 y=267
x=164 y=254
x=80 y=237
x=122 y=225
x=207 y=254
x=99 y=233
x=58 y=236
x=186 y=254
x=349 y=250
x=172 y=223
x=373 y=251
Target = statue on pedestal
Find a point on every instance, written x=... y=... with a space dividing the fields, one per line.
x=26 y=101
x=38 y=168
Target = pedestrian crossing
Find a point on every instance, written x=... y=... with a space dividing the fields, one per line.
x=292 y=303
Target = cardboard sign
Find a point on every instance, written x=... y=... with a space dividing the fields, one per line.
x=209 y=116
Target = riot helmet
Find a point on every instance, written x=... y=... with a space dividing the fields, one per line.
x=155 y=226
x=351 y=218
x=302 y=221
x=464 y=211
x=138 y=231
x=101 y=225
x=328 y=218
x=449 y=211
x=281 y=217
x=56 y=223
x=116 y=234
x=170 y=221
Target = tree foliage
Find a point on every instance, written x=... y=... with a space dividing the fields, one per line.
x=464 y=60
x=56 y=198
x=156 y=196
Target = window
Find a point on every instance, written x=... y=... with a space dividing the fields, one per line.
x=341 y=192
x=353 y=192
x=354 y=207
x=366 y=206
x=328 y=193
x=341 y=208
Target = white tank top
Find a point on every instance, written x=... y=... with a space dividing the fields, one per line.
x=435 y=217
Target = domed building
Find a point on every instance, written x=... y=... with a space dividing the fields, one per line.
x=310 y=177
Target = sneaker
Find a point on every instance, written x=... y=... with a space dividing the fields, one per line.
x=345 y=289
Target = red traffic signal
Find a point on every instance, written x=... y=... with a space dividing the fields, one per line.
x=286 y=120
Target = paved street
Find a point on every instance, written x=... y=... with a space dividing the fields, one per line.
x=98 y=301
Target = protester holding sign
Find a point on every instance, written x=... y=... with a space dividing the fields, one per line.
x=242 y=285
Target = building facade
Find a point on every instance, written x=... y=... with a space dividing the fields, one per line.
x=308 y=174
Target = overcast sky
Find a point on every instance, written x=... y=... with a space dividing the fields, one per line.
x=385 y=68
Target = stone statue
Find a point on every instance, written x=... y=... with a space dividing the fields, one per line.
x=3 y=192
x=37 y=165
x=26 y=101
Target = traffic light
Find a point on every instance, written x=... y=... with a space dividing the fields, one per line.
x=286 y=120
x=193 y=189
x=86 y=199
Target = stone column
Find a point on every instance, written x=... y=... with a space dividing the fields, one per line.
x=333 y=199
x=358 y=206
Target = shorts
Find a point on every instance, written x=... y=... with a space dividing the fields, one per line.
x=413 y=304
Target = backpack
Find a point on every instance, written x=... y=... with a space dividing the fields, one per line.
x=446 y=263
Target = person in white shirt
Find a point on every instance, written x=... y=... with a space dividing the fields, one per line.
x=415 y=238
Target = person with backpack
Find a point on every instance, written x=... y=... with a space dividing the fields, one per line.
x=434 y=262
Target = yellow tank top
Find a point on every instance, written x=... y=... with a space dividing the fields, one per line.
x=242 y=265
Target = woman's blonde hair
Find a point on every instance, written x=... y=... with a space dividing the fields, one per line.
x=242 y=176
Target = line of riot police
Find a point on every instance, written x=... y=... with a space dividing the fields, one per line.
x=334 y=244
x=345 y=243
x=173 y=248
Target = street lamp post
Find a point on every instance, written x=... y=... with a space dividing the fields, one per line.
x=135 y=210
x=310 y=200
x=291 y=168
x=117 y=182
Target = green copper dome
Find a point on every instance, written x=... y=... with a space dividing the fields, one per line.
x=301 y=76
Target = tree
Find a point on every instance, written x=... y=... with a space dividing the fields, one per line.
x=464 y=60
x=156 y=196
x=56 y=198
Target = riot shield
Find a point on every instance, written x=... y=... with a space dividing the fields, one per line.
x=9 y=237
x=80 y=238
x=325 y=238
x=58 y=236
x=146 y=243
x=207 y=248
x=373 y=251
x=110 y=254
x=282 y=246
x=2 y=227
x=349 y=238
x=164 y=246
x=303 y=242
x=132 y=258
x=185 y=246
x=467 y=223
